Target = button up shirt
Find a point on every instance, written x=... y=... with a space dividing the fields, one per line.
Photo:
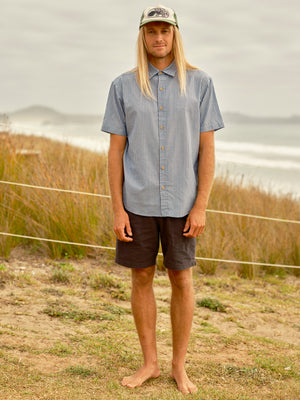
x=163 y=135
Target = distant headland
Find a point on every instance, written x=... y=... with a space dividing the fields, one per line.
x=42 y=115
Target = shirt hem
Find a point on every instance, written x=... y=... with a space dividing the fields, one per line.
x=113 y=132
x=212 y=128
x=159 y=215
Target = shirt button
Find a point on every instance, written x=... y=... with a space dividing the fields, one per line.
x=160 y=72
x=161 y=127
x=160 y=88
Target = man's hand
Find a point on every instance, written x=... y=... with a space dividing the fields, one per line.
x=122 y=227
x=195 y=223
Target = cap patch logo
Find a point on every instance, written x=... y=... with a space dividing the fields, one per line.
x=158 y=12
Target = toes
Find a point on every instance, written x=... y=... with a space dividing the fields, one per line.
x=184 y=391
x=129 y=384
x=188 y=390
x=184 y=385
x=193 y=389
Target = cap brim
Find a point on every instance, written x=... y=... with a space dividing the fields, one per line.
x=158 y=20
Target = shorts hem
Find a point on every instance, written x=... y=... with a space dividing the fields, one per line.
x=181 y=267
x=148 y=265
x=132 y=266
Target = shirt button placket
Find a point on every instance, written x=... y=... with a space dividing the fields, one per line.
x=162 y=142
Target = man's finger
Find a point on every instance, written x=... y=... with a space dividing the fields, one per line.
x=194 y=231
x=128 y=230
x=121 y=234
x=187 y=226
x=124 y=237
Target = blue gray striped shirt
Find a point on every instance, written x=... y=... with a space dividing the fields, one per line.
x=163 y=135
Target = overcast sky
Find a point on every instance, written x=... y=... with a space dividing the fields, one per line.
x=65 y=53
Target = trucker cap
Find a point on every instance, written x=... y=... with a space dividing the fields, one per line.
x=159 y=13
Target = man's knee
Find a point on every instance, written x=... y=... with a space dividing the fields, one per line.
x=182 y=279
x=143 y=276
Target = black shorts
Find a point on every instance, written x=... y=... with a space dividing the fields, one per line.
x=178 y=250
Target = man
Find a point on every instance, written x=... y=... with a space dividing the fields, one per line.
x=161 y=118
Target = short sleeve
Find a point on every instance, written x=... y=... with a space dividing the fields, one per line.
x=210 y=115
x=114 y=116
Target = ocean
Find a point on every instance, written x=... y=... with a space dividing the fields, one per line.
x=265 y=155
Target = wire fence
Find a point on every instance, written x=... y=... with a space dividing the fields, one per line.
x=113 y=248
x=108 y=197
x=160 y=254
x=55 y=189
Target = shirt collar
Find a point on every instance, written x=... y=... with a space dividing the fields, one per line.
x=170 y=70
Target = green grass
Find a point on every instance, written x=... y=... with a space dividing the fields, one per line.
x=115 y=287
x=79 y=370
x=208 y=328
x=77 y=315
x=212 y=304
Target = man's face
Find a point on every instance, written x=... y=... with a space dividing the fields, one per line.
x=159 y=39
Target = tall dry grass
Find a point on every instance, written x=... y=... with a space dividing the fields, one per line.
x=248 y=239
x=85 y=219
x=41 y=213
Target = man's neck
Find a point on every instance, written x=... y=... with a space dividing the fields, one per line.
x=161 y=63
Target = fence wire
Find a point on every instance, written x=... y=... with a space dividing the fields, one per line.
x=160 y=254
x=108 y=197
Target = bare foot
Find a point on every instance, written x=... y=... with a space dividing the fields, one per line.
x=142 y=375
x=184 y=384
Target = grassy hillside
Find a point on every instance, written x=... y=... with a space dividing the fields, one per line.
x=86 y=219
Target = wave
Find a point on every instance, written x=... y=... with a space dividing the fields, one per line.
x=257 y=162
x=243 y=153
x=257 y=148
x=96 y=143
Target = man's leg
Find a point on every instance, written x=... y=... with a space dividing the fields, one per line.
x=182 y=310
x=144 y=312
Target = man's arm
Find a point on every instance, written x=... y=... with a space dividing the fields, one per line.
x=195 y=222
x=116 y=178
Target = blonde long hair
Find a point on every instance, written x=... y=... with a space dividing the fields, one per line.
x=142 y=73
